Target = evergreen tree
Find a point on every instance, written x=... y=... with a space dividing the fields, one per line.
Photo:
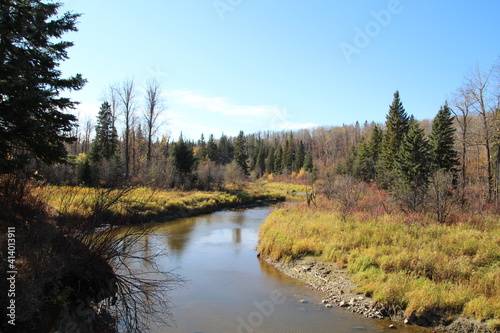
x=212 y=150
x=85 y=173
x=182 y=157
x=375 y=144
x=260 y=162
x=278 y=167
x=363 y=167
x=240 y=154
x=105 y=144
x=33 y=122
x=308 y=162
x=201 y=152
x=270 y=161
x=225 y=150
x=299 y=158
x=442 y=141
x=397 y=124
x=287 y=158
x=412 y=166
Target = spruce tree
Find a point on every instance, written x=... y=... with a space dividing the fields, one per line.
x=442 y=141
x=308 y=162
x=105 y=144
x=33 y=118
x=201 y=152
x=270 y=161
x=240 y=154
x=278 y=167
x=183 y=157
x=397 y=124
x=299 y=158
x=412 y=166
x=212 y=150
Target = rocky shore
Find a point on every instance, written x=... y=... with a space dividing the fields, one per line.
x=341 y=292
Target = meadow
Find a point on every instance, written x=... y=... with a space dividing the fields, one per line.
x=406 y=262
x=142 y=204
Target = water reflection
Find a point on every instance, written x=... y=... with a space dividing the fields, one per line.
x=237 y=235
x=229 y=284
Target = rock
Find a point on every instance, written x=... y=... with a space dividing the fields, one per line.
x=325 y=301
x=343 y=304
x=328 y=305
x=392 y=326
x=303 y=301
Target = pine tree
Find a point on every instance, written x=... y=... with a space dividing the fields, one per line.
x=183 y=157
x=308 y=162
x=299 y=158
x=397 y=124
x=225 y=150
x=362 y=166
x=278 y=167
x=270 y=161
x=442 y=141
x=412 y=166
x=287 y=159
x=105 y=144
x=33 y=122
x=201 y=152
x=240 y=154
x=212 y=150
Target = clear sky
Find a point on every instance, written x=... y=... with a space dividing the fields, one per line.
x=253 y=65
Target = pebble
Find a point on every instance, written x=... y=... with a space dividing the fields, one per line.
x=328 y=305
x=325 y=301
x=392 y=326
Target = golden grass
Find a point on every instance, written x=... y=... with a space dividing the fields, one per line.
x=419 y=266
x=80 y=202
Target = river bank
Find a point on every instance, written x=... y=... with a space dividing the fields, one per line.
x=80 y=205
x=415 y=270
x=341 y=291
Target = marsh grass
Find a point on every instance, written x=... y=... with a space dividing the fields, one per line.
x=405 y=262
x=133 y=205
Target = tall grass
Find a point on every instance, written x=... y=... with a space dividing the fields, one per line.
x=139 y=204
x=406 y=262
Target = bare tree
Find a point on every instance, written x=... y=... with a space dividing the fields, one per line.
x=154 y=108
x=478 y=85
x=126 y=94
x=88 y=131
x=463 y=103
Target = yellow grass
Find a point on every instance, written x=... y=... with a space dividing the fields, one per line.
x=419 y=266
x=80 y=202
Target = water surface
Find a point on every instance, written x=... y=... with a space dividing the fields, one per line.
x=230 y=290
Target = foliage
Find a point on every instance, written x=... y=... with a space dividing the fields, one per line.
x=33 y=122
x=412 y=167
x=397 y=125
x=442 y=141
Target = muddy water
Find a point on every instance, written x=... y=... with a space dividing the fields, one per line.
x=230 y=290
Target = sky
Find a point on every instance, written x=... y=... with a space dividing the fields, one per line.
x=258 y=65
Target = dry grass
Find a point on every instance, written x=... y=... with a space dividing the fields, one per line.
x=139 y=204
x=407 y=262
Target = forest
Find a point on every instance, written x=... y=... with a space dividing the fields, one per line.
x=63 y=180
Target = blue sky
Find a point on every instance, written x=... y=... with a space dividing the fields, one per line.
x=253 y=65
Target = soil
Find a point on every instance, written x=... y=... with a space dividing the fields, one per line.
x=342 y=291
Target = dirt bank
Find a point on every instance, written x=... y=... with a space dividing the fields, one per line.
x=341 y=291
